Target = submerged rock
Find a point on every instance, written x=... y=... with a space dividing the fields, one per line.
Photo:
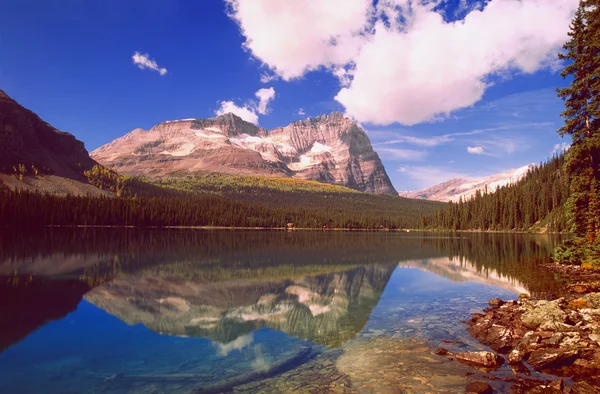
x=482 y=359
x=478 y=387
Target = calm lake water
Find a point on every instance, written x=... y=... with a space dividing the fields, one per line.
x=179 y=311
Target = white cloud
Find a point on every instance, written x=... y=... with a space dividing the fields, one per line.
x=301 y=112
x=292 y=37
x=267 y=77
x=264 y=96
x=426 y=141
x=142 y=60
x=560 y=148
x=408 y=76
x=248 y=114
x=476 y=150
x=402 y=154
x=250 y=111
x=429 y=142
x=413 y=68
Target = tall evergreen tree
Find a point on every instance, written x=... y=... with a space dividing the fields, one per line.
x=582 y=123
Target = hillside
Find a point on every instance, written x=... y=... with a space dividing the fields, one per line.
x=35 y=156
x=328 y=148
x=535 y=203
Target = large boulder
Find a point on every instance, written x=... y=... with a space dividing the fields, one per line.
x=544 y=312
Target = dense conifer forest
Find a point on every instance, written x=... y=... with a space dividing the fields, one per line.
x=230 y=203
x=536 y=202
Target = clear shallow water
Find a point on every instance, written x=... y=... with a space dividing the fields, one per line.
x=189 y=311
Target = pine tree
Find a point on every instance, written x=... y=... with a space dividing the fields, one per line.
x=582 y=122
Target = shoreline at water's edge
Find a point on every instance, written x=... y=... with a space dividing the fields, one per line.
x=342 y=229
x=560 y=337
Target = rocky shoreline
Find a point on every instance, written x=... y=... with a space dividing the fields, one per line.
x=560 y=339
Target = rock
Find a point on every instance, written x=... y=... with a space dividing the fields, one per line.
x=520 y=368
x=479 y=387
x=593 y=299
x=544 y=312
x=327 y=363
x=555 y=339
x=551 y=358
x=476 y=317
x=584 y=388
x=590 y=315
x=579 y=303
x=581 y=288
x=555 y=326
x=544 y=389
x=454 y=341
x=497 y=337
x=552 y=388
x=558 y=385
x=524 y=348
x=515 y=356
x=595 y=338
x=481 y=359
x=524 y=298
x=573 y=339
x=496 y=302
x=440 y=351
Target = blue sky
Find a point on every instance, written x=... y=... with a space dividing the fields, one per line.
x=457 y=88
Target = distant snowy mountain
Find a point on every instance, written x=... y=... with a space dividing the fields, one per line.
x=454 y=189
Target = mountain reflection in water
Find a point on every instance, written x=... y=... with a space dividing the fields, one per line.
x=245 y=306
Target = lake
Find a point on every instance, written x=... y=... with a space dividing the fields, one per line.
x=194 y=311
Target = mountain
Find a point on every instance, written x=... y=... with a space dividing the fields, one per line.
x=454 y=189
x=28 y=140
x=328 y=148
x=47 y=159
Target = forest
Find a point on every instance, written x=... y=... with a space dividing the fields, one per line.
x=238 y=204
x=536 y=202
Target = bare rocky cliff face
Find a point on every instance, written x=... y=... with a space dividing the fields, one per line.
x=329 y=148
x=28 y=140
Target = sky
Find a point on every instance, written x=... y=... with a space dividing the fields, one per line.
x=444 y=88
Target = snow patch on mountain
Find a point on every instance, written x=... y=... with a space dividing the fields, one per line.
x=328 y=148
x=454 y=189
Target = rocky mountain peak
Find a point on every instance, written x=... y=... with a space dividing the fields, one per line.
x=329 y=148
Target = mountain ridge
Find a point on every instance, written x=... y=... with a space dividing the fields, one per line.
x=29 y=140
x=36 y=156
x=457 y=188
x=327 y=148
